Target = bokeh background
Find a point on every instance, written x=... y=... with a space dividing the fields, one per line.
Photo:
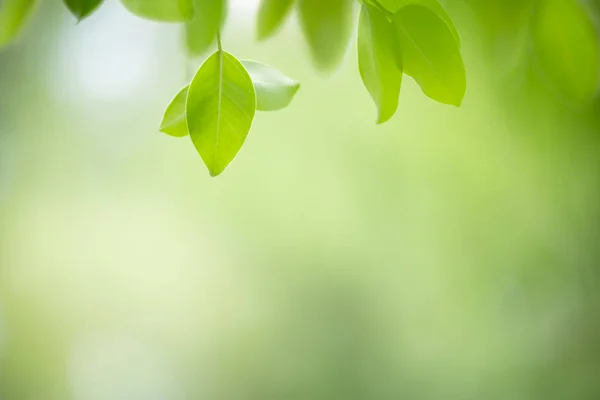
x=449 y=254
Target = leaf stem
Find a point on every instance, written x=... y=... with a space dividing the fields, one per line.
x=219 y=44
x=377 y=4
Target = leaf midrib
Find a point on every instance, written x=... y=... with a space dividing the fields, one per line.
x=435 y=70
x=219 y=106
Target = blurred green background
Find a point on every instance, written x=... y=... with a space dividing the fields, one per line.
x=449 y=254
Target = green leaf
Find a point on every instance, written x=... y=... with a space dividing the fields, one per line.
x=82 y=8
x=327 y=26
x=161 y=10
x=13 y=15
x=271 y=15
x=567 y=48
x=174 y=123
x=434 y=5
x=201 y=31
x=430 y=54
x=378 y=65
x=220 y=107
x=274 y=90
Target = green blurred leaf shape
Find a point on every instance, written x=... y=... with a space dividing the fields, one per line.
x=327 y=27
x=274 y=90
x=434 y=5
x=174 y=123
x=13 y=16
x=567 y=47
x=161 y=10
x=201 y=31
x=220 y=107
x=82 y=8
x=377 y=62
x=430 y=54
x=271 y=15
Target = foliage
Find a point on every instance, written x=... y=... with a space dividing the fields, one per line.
x=395 y=37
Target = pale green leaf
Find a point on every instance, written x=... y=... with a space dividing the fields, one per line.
x=220 y=107
x=274 y=90
x=430 y=54
x=271 y=15
x=379 y=67
x=567 y=47
x=201 y=31
x=161 y=10
x=13 y=16
x=434 y=5
x=174 y=123
x=82 y=8
x=327 y=26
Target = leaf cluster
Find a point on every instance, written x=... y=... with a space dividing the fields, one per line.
x=396 y=38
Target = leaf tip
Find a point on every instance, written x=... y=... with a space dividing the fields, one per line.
x=458 y=101
x=214 y=173
x=295 y=88
x=382 y=117
x=262 y=35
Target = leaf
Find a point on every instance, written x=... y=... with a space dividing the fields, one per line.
x=174 y=123
x=274 y=90
x=327 y=26
x=430 y=54
x=378 y=65
x=201 y=31
x=271 y=15
x=220 y=107
x=161 y=10
x=433 y=5
x=82 y=8
x=13 y=16
x=567 y=48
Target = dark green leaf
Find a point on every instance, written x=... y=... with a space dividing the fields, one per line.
x=201 y=31
x=174 y=123
x=220 y=107
x=327 y=26
x=271 y=15
x=274 y=90
x=434 y=5
x=377 y=61
x=162 y=10
x=430 y=54
x=567 y=47
x=82 y=8
x=13 y=15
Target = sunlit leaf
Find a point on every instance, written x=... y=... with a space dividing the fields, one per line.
x=201 y=31
x=327 y=26
x=174 y=123
x=274 y=90
x=433 y=5
x=220 y=107
x=162 y=10
x=430 y=54
x=378 y=65
x=567 y=47
x=82 y=8
x=13 y=15
x=271 y=15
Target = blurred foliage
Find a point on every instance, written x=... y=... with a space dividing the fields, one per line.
x=451 y=253
x=559 y=38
